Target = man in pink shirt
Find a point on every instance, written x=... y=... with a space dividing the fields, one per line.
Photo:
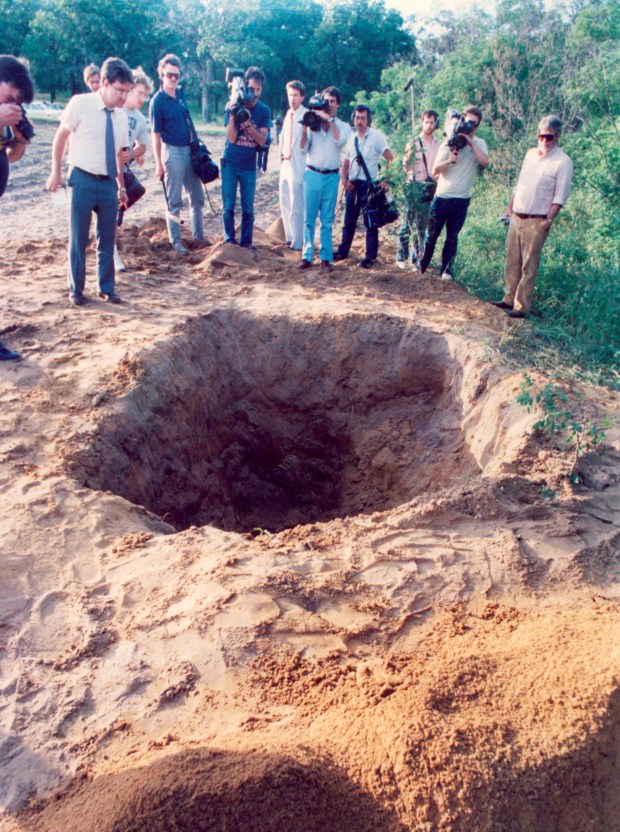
x=418 y=163
x=541 y=191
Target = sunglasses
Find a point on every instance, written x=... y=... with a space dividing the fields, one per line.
x=547 y=137
x=171 y=75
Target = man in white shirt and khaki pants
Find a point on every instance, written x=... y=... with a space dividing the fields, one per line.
x=541 y=190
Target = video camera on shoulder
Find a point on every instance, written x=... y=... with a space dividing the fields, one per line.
x=241 y=96
x=456 y=127
x=310 y=118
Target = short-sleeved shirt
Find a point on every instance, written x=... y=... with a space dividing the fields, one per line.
x=168 y=115
x=458 y=179
x=138 y=129
x=242 y=152
x=543 y=181
x=416 y=169
x=372 y=146
x=322 y=150
x=85 y=117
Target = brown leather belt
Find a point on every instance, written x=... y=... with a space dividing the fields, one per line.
x=530 y=216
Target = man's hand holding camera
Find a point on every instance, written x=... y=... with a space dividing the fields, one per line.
x=10 y=114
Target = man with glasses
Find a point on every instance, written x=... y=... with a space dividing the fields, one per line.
x=97 y=125
x=541 y=190
x=171 y=139
x=455 y=171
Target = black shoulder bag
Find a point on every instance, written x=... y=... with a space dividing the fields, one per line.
x=429 y=186
x=379 y=210
x=202 y=164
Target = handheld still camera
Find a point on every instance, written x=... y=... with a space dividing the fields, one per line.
x=241 y=96
x=456 y=127
x=25 y=127
x=316 y=103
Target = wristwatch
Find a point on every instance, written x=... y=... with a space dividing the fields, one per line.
x=331 y=120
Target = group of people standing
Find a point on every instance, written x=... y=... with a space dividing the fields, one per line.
x=105 y=133
x=311 y=172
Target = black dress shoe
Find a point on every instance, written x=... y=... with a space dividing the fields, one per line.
x=366 y=263
x=338 y=256
x=325 y=264
x=501 y=305
x=77 y=300
x=516 y=314
x=304 y=264
x=110 y=297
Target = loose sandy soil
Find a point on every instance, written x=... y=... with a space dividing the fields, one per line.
x=276 y=553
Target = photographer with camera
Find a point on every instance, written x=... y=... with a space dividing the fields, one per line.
x=97 y=126
x=292 y=167
x=247 y=122
x=372 y=146
x=419 y=190
x=171 y=140
x=16 y=89
x=322 y=137
x=459 y=158
x=541 y=190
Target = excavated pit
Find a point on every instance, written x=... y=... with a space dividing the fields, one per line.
x=247 y=422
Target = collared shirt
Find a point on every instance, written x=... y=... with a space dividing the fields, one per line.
x=543 y=180
x=457 y=181
x=418 y=170
x=372 y=146
x=322 y=150
x=168 y=114
x=85 y=117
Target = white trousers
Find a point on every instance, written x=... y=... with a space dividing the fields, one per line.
x=292 y=205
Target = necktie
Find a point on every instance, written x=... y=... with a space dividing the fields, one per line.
x=289 y=143
x=110 y=151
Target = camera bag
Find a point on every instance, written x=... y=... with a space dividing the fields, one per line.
x=202 y=164
x=379 y=210
x=429 y=186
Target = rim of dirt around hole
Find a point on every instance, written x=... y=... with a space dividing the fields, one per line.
x=245 y=422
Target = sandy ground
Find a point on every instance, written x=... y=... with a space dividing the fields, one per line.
x=278 y=551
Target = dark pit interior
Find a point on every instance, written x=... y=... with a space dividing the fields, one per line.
x=266 y=422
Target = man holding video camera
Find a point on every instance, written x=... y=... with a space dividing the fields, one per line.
x=247 y=122
x=322 y=136
x=171 y=141
x=372 y=145
x=16 y=89
x=459 y=158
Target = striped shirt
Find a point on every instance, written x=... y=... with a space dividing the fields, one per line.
x=457 y=181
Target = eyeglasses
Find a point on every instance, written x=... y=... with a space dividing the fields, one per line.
x=171 y=75
x=547 y=137
x=121 y=91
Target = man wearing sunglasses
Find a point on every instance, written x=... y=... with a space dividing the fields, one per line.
x=171 y=139
x=541 y=190
x=97 y=125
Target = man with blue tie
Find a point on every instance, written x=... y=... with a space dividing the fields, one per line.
x=97 y=125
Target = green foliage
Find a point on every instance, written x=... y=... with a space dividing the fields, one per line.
x=576 y=432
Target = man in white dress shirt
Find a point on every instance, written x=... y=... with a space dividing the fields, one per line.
x=541 y=190
x=373 y=146
x=97 y=125
x=293 y=164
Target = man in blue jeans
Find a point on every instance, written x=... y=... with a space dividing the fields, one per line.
x=171 y=140
x=97 y=125
x=239 y=159
x=455 y=171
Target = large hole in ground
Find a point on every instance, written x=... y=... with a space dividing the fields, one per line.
x=246 y=422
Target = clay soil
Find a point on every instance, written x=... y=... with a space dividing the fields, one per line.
x=280 y=551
